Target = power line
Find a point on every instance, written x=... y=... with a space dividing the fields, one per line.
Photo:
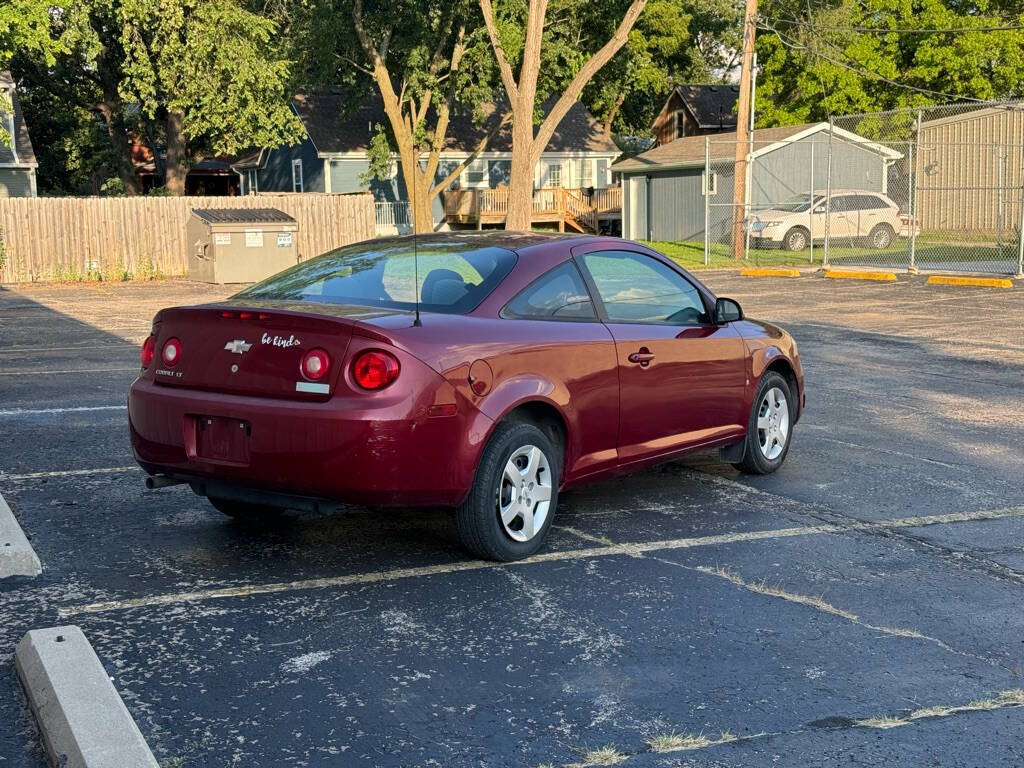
x=797 y=46
x=898 y=30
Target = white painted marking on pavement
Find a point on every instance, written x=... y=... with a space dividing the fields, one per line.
x=78 y=409
x=67 y=473
x=631 y=549
x=44 y=374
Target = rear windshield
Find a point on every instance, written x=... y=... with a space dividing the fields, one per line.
x=454 y=276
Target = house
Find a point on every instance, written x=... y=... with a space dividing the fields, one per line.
x=663 y=195
x=695 y=110
x=17 y=158
x=968 y=169
x=332 y=158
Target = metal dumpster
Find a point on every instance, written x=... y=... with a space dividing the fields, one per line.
x=240 y=245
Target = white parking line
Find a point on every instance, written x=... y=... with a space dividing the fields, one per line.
x=68 y=473
x=631 y=549
x=43 y=373
x=78 y=409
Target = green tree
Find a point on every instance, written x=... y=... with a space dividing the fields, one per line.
x=519 y=37
x=839 y=58
x=209 y=66
x=424 y=60
x=627 y=93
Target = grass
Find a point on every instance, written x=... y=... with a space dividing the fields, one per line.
x=930 y=250
x=1014 y=698
x=603 y=756
x=678 y=742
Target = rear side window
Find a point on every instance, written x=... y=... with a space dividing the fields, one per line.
x=454 y=276
x=556 y=295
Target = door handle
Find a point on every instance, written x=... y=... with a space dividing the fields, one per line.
x=643 y=357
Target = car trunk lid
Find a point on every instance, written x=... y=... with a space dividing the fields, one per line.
x=256 y=349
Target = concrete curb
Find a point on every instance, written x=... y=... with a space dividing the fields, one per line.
x=82 y=719
x=981 y=282
x=851 y=274
x=769 y=272
x=17 y=558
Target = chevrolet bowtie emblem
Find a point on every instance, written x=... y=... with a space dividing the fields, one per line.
x=238 y=346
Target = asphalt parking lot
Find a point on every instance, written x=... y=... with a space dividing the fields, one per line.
x=860 y=607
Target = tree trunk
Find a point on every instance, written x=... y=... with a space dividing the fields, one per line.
x=177 y=162
x=110 y=109
x=612 y=115
x=417 y=189
x=520 y=180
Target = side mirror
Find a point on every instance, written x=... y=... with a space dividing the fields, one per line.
x=820 y=209
x=727 y=311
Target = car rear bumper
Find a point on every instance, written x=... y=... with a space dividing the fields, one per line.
x=388 y=451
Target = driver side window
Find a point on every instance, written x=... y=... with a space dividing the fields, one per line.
x=638 y=289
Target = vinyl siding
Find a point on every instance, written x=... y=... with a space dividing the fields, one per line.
x=15 y=182
x=276 y=176
x=676 y=201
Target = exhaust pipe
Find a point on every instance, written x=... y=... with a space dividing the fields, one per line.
x=161 y=481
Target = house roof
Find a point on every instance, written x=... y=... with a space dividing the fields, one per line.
x=712 y=106
x=690 y=151
x=975 y=114
x=22 y=153
x=335 y=128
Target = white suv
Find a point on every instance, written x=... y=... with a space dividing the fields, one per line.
x=855 y=215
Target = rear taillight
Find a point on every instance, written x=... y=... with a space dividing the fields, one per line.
x=172 y=352
x=375 y=370
x=315 y=364
x=148 y=351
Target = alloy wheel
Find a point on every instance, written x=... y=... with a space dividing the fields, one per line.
x=773 y=423
x=523 y=497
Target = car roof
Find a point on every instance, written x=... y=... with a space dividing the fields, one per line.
x=488 y=239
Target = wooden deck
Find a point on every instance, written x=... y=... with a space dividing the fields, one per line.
x=570 y=209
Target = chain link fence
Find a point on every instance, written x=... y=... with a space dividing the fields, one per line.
x=932 y=189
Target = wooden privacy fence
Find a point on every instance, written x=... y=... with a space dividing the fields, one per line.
x=47 y=238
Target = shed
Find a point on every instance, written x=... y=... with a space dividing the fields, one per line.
x=968 y=170
x=663 y=188
x=240 y=245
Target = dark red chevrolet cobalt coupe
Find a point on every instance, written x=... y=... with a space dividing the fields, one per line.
x=530 y=363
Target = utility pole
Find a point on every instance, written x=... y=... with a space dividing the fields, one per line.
x=739 y=187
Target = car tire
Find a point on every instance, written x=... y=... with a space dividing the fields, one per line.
x=881 y=237
x=242 y=510
x=796 y=239
x=769 y=428
x=493 y=520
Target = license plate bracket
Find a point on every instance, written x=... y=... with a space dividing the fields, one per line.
x=217 y=439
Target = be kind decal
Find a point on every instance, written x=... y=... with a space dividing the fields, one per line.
x=281 y=341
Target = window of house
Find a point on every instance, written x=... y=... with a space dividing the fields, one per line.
x=297 y=176
x=554 y=175
x=476 y=173
x=636 y=288
x=586 y=173
x=709 y=183
x=680 y=124
x=556 y=295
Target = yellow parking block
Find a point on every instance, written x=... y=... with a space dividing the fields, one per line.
x=982 y=282
x=769 y=272
x=852 y=274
